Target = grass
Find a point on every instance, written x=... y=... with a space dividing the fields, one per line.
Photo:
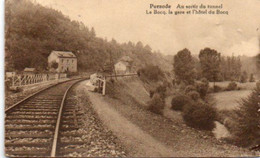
x=243 y=86
x=229 y=100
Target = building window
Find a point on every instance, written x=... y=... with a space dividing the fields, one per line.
x=72 y=61
x=67 y=60
x=62 y=60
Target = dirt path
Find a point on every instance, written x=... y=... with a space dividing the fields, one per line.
x=137 y=141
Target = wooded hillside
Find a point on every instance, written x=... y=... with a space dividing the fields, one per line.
x=33 y=31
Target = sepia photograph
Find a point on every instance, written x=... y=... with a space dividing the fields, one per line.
x=131 y=78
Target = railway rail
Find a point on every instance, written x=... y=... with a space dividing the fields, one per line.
x=43 y=124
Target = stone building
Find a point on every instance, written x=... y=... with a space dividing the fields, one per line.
x=124 y=65
x=62 y=61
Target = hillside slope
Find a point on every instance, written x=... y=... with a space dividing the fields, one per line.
x=33 y=31
x=127 y=97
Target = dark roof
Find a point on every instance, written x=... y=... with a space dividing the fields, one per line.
x=64 y=54
x=126 y=59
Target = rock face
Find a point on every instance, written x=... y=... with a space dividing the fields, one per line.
x=220 y=131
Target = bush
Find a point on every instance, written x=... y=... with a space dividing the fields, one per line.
x=194 y=95
x=247 y=128
x=189 y=88
x=217 y=89
x=156 y=104
x=151 y=93
x=231 y=86
x=161 y=90
x=178 y=101
x=151 y=72
x=252 y=78
x=202 y=87
x=258 y=85
x=243 y=77
x=199 y=115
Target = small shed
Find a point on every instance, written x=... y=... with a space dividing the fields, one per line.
x=29 y=71
x=10 y=74
x=124 y=65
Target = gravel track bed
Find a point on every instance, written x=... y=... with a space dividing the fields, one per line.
x=100 y=142
x=12 y=98
x=31 y=140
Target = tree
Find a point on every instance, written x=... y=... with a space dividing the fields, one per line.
x=210 y=61
x=247 y=122
x=258 y=62
x=92 y=32
x=183 y=66
x=244 y=77
x=252 y=78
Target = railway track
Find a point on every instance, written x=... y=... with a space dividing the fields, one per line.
x=44 y=124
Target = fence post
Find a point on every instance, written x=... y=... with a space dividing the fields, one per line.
x=104 y=86
x=13 y=81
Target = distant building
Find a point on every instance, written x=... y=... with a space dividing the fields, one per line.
x=62 y=61
x=124 y=65
x=29 y=71
x=10 y=74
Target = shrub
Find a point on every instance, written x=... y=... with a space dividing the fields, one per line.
x=199 y=115
x=156 y=104
x=252 y=79
x=258 y=85
x=247 y=128
x=161 y=90
x=173 y=82
x=243 y=77
x=231 y=86
x=151 y=72
x=217 y=89
x=204 y=80
x=178 y=101
x=151 y=93
x=194 y=95
x=202 y=87
x=189 y=88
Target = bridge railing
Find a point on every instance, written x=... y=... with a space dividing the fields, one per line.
x=29 y=79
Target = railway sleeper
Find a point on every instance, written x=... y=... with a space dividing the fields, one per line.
x=28 y=144
x=29 y=123
x=29 y=128
x=71 y=134
x=33 y=114
x=71 y=150
x=42 y=104
x=72 y=143
x=40 y=107
x=30 y=118
x=28 y=153
x=37 y=110
x=8 y=136
x=69 y=128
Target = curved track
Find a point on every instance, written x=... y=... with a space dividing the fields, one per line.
x=33 y=125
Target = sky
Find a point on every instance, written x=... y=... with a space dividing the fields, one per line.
x=126 y=20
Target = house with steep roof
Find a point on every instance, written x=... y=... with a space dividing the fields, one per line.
x=124 y=65
x=62 y=61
